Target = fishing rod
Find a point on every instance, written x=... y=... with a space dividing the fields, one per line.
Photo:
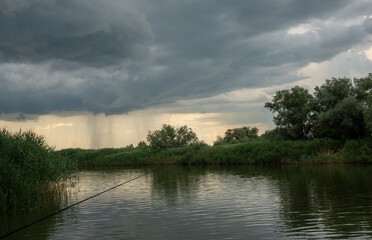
x=64 y=209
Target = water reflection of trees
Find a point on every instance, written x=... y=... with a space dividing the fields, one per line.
x=336 y=198
x=175 y=182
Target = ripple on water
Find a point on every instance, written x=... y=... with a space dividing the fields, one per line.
x=221 y=203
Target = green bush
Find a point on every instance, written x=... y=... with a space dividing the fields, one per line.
x=357 y=151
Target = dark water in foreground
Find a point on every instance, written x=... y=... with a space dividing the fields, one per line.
x=211 y=203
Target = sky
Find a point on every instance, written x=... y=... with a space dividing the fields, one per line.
x=102 y=73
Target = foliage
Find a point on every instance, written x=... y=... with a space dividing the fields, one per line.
x=276 y=134
x=340 y=109
x=237 y=135
x=367 y=112
x=292 y=111
x=343 y=121
x=357 y=151
x=170 y=137
x=218 y=141
x=142 y=144
x=240 y=134
x=29 y=170
x=333 y=91
x=257 y=151
x=130 y=146
x=363 y=90
x=338 y=112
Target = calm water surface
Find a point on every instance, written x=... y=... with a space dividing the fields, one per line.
x=211 y=203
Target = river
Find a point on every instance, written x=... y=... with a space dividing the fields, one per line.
x=238 y=202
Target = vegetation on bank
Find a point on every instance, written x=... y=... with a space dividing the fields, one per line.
x=331 y=125
x=31 y=173
x=258 y=151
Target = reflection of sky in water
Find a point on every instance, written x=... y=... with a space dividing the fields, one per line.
x=212 y=208
x=207 y=203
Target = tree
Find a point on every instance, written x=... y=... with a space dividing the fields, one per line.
x=333 y=91
x=168 y=137
x=338 y=111
x=276 y=134
x=363 y=90
x=367 y=112
x=237 y=135
x=142 y=144
x=219 y=141
x=344 y=121
x=292 y=109
x=130 y=146
x=240 y=134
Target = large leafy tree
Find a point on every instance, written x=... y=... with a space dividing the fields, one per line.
x=340 y=109
x=292 y=110
x=333 y=91
x=338 y=112
x=169 y=137
x=363 y=90
x=344 y=121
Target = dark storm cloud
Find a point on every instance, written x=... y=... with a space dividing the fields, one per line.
x=95 y=33
x=117 y=56
x=368 y=25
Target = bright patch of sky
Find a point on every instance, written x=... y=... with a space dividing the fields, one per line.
x=302 y=28
x=369 y=54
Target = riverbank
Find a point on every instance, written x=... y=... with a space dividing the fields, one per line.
x=256 y=151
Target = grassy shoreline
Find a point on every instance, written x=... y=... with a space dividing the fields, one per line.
x=253 y=152
x=32 y=174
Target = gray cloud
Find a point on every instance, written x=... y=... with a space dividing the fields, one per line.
x=368 y=25
x=94 y=33
x=117 y=56
x=18 y=117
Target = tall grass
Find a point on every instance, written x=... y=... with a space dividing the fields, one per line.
x=31 y=173
x=257 y=151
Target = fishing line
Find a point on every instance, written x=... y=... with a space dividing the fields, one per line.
x=64 y=209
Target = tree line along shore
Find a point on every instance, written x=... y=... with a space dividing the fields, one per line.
x=331 y=125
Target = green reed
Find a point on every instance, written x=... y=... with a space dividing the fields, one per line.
x=31 y=173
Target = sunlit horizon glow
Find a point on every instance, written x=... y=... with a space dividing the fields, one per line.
x=100 y=131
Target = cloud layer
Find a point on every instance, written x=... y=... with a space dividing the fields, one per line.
x=89 y=33
x=116 y=56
